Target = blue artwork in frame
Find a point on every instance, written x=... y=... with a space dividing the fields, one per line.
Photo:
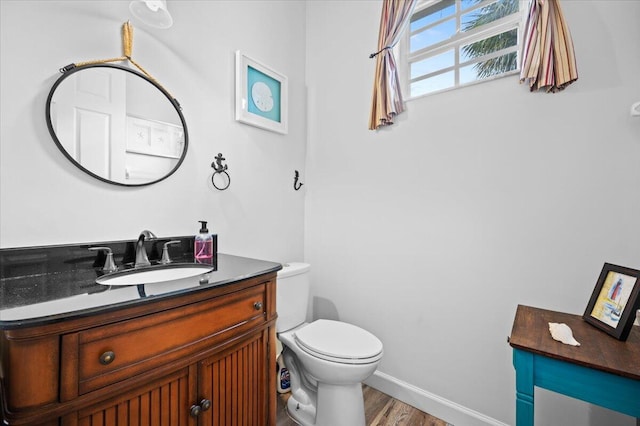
x=264 y=94
x=261 y=95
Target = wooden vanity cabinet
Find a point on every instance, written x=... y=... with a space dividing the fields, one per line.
x=203 y=358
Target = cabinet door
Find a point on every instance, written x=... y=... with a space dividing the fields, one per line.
x=164 y=402
x=235 y=382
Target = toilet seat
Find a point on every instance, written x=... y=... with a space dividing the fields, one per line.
x=339 y=342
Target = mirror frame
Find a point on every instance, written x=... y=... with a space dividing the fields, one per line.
x=66 y=72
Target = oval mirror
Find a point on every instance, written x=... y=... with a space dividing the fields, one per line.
x=116 y=124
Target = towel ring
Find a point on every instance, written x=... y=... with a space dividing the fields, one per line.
x=224 y=180
x=220 y=170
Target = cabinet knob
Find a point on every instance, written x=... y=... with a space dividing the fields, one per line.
x=205 y=404
x=195 y=410
x=257 y=306
x=107 y=357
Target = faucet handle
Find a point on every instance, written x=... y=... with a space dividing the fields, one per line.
x=109 y=264
x=165 y=251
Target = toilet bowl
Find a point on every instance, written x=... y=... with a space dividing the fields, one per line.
x=327 y=360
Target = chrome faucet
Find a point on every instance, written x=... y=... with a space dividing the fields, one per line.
x=141 y=253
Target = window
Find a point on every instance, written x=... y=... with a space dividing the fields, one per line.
x=452 y=43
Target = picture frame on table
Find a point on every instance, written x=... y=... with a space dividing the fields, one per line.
x=614 y=301
x=261 y=95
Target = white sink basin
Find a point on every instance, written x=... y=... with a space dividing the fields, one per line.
x=155 y=274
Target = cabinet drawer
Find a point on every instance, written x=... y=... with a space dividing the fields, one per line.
x=115 y=352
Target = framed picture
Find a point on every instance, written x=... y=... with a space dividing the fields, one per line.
x=613 y=304
x=261 y=95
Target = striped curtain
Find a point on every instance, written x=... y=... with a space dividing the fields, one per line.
x=548 y=59
x=387 y=98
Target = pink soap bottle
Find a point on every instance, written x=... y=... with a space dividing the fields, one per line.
x=203 y=245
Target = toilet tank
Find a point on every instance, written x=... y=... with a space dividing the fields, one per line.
x=292 y=295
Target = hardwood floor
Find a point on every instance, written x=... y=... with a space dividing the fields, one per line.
x=380 y=410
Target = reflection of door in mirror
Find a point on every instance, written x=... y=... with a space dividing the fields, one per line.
x=88 y=116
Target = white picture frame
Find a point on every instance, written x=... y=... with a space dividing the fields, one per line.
x=262 y=95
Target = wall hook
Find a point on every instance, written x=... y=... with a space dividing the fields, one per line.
x=297 y=185
x=220 y=170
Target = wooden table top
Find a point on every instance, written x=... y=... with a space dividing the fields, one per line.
x=597 y=349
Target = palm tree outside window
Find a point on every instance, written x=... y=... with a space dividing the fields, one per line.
x=453 y=43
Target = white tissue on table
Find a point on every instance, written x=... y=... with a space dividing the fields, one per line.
x=562 y=333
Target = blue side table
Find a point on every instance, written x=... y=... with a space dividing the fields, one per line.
x=602 y=370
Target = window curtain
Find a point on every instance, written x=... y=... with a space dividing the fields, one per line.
x=548 y=59
x=387 y=98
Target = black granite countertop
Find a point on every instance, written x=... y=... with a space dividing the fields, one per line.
x=39 y=285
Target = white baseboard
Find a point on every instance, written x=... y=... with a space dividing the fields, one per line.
x=449 y=411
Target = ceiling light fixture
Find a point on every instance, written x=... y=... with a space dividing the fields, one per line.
x=152 y=12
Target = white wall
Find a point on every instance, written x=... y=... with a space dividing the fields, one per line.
x=46 y=200
x=431 y=232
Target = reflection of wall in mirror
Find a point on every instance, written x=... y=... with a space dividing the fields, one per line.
x=146 y=101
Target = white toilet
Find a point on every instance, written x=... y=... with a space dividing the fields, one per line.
x=327 y=360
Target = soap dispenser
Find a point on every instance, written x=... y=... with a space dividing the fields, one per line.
x=203 y=245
